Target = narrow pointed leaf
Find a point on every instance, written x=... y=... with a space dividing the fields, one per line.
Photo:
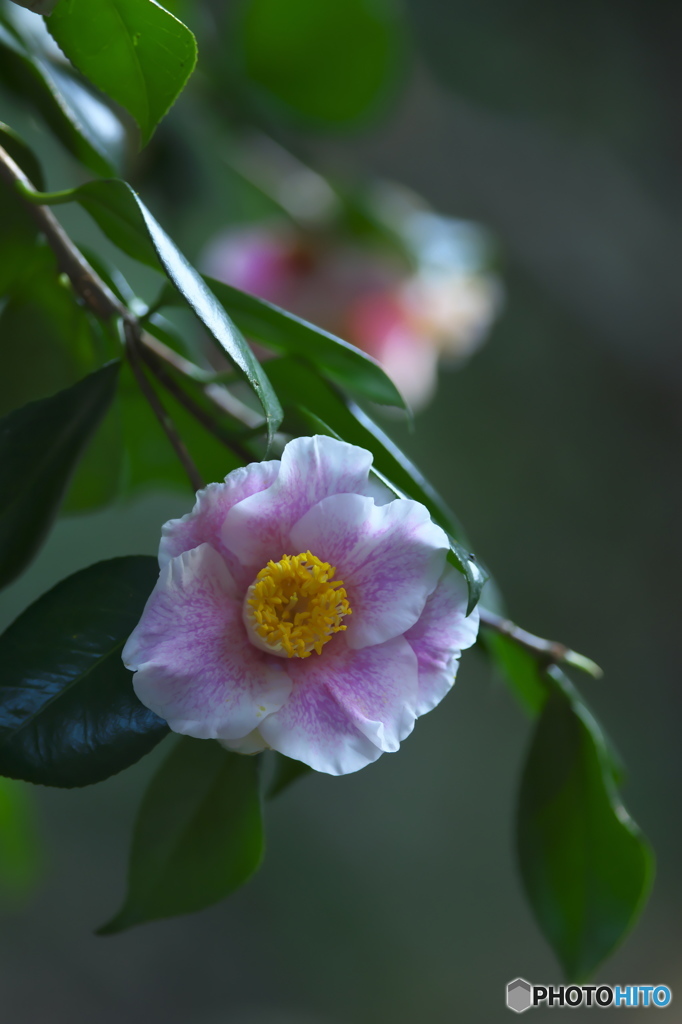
x=68 y=712
x=133 y=50
x=124 y=218
x=79 y=118
x=198 y=834
x=40 y=446
x=586 y=867
x=284 y=332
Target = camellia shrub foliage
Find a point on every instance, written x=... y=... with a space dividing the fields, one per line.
x=317 y=598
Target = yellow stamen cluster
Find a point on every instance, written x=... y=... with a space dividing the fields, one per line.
x=295 y=606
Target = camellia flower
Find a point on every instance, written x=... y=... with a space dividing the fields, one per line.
x=300 y=607
x=407 y=319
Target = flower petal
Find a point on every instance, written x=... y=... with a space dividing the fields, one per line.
x=193 y=663
x=389 y=557
x=251 y=744
x=312 y=468
x=440 y=635
x=346 y=707
x=204 y=523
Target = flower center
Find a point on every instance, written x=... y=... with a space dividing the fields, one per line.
x=294 y=606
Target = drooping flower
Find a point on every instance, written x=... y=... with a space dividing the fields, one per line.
x=408 y=318
x=300 y=607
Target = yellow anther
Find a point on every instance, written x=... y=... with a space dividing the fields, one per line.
x=294 y=606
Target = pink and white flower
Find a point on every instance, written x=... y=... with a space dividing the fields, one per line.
x=299 y=607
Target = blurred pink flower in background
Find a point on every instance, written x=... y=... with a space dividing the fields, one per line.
x=406 y=318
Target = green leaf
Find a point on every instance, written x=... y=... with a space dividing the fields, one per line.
x=68 y=712
x=133 y=50
x=111 y=204
x=465 y=562
x=330 y=63
x=18 y=231
x=124 y=218
x=78 y=117
x=325 y=411
x=586 y=867
x=22 y=154
x=520 y=670
x=98 y=478
x=286 y=771
x=48 y=342
x=45 y=338
x=150 y=461
x=342 y=363
x=198 y=834
x=40 y=446
x=20 y=859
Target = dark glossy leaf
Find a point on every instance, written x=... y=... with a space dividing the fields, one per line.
x=286 y=771
x=133 y=50
x=68 y=712
x=325 y=411
x=20 y=858
x=79 y=118
x=342 y=363
x=586 y=867
x=330 y=63
x=198 y=834
x=40 y=446
x=124 y=218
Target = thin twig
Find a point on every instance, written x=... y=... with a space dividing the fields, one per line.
x=208 y=423
x=87 y=283
x=159 y=411
x=90 y=287
x=547 y=651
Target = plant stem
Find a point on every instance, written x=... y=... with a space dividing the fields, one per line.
x=208 y=423
x=95 y=293
x=550 y=652
x=167 y=425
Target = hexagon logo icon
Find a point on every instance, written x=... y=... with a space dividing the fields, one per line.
x=518 y=995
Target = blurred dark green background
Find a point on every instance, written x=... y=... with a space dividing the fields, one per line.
x=392 y=895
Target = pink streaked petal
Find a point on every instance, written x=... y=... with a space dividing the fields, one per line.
x=312 y=468
x=390 y=558
x=194 y=665
x=204 y=523
x=442 y=633
x=346 y=707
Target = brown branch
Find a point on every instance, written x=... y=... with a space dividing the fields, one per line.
x=97 y=295
x=167 y=425
x=164 y=378
x=549 y=652
x=86 y=282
